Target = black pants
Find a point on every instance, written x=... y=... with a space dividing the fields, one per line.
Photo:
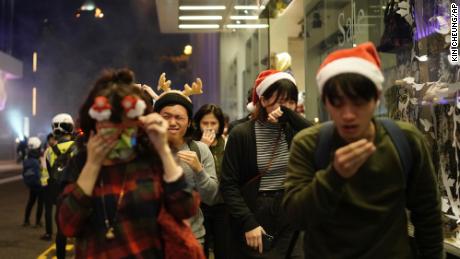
x=51 y=194
x=35 y=195
x=61 y=242
x=271 y=217
x=216 y=223
x=49 y=202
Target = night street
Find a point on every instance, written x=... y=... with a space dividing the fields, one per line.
x=17 y=241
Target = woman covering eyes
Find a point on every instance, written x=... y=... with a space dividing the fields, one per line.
x=126 y=179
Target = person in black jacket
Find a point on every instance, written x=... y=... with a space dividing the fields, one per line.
x=254 y=169
x=31 y=177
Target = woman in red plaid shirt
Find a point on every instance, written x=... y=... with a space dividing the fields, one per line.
x=124 y=176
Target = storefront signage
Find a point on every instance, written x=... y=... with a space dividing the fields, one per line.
x=347 y=28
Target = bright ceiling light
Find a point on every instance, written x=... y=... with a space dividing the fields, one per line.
x=247 y=26
x=249 y=7
x=199 y=17
x=199 y=26
x=244 y=17
x=201 y=7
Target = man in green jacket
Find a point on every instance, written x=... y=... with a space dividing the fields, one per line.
x=355 y=207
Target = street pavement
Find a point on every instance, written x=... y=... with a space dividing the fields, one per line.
x=17 y=241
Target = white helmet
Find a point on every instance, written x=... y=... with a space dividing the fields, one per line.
x=62 y=124
x=34 y=143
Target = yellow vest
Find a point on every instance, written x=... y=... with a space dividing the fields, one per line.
x=51 y=156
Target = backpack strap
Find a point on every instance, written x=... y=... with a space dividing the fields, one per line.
x=56 y=150
x=193 y=146
x=402 y=146
x=58 y=154
x=324 y=145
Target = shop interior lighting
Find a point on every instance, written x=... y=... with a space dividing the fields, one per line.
x=244 y=17
x=247 y=26
x=249 y=7
x=188 y=50
x=199 y=26
x=201 y=7
x=200 y=17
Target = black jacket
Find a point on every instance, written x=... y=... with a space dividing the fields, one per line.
x=239 y=165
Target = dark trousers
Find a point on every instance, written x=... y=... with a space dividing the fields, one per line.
x=35 y=195
x=61 y=242
x=271 y=217
x=216 y=223
x=50 y=201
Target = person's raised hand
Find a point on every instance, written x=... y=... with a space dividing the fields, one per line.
x=348 y=159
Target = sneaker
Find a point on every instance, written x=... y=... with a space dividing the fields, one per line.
x=26 y=224
x=46 y=237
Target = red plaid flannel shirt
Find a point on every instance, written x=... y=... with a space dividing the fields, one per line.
x=137 y=234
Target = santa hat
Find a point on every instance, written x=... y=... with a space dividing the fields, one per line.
x=263 y=82
x=362 y=59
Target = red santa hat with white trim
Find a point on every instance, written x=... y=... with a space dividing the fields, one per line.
x=264 y=80
x=362 y=59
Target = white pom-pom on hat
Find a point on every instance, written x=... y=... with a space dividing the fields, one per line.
x=362 y=59
x=101 y=109
x=134 y=107
x=264 y=80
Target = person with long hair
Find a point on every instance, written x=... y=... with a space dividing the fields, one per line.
x=210 y=123
x=125 y=177
x=254 y=170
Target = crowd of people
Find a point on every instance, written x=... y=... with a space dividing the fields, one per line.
x=147 y=177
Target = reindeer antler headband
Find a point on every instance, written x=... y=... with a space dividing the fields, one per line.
x=172 y=97
x=165 y=85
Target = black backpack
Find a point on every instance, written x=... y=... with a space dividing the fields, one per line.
x=56 y=172
x=31 y=173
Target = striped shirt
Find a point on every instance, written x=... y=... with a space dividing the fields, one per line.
x=268 y=149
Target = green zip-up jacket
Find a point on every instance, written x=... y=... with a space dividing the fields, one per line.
x=364 y=216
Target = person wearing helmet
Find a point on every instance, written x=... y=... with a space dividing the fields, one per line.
x=57 y=158
x=62 y=125
x=31 y=177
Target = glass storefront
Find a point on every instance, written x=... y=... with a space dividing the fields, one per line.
x=421 y=83
x=413 y=38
